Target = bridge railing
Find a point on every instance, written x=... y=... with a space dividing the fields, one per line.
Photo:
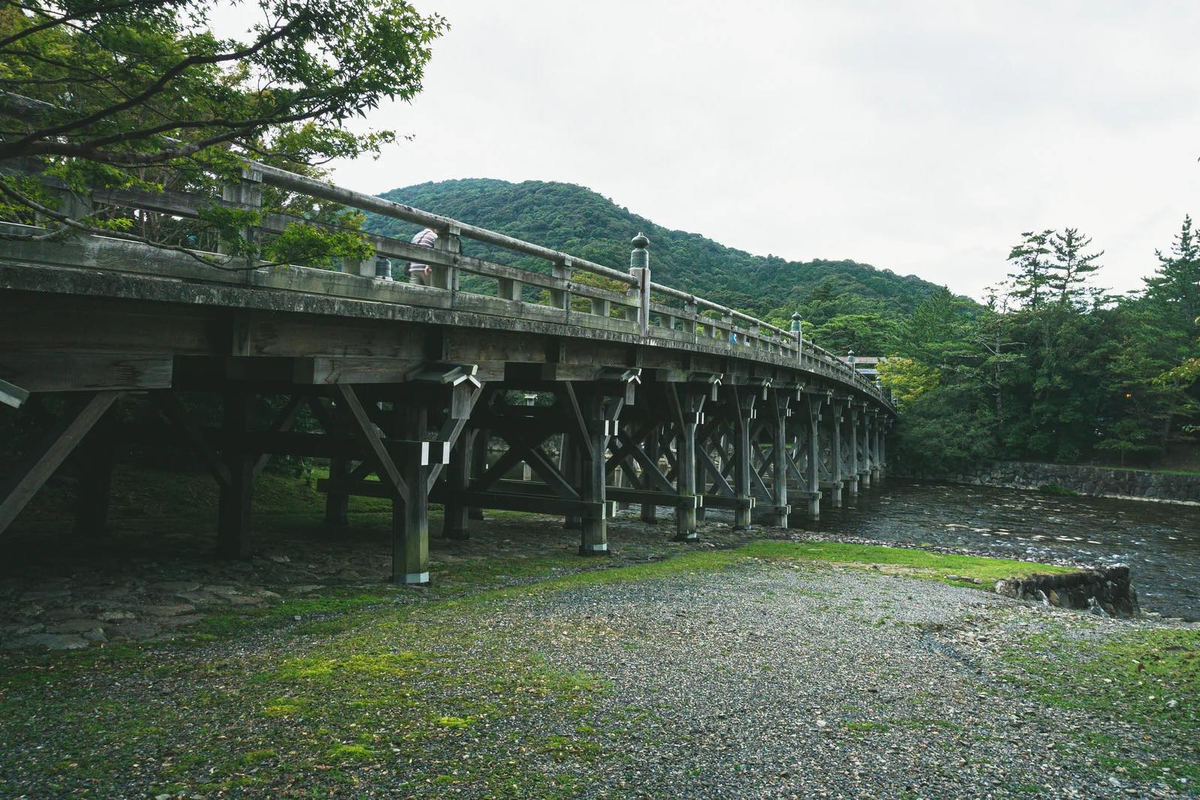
x=628 y=302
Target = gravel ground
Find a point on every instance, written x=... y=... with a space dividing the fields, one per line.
x=757 y=680
x=775 y=682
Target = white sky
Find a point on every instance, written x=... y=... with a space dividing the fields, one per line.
x=918 y=136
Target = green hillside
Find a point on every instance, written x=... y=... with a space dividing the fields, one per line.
x=581 y=222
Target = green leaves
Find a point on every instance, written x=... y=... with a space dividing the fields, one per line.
x=314 y=246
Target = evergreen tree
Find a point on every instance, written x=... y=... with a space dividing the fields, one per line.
x=1070 y=266
x=1030 y=281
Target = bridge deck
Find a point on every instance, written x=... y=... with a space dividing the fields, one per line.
x=650 y=395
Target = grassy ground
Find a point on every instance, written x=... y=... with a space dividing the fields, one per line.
x=418 y=690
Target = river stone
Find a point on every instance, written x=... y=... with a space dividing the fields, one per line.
x=116 y=616
x=51 y=641
x=176 y=586
x=134 y=630
x=74 y=626
x=169 y=609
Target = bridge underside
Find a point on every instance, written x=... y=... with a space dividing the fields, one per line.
x=421 y=406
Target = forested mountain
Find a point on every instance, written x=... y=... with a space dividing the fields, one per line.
x=579 y=221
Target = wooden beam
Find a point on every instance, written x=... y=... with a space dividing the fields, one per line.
x=194 y=437
x=37 y=371
x=31 y=473
x=12 y=395
x=364 y=430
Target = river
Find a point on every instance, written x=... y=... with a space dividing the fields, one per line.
x=1159 y=542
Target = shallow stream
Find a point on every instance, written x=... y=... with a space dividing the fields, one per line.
x=1160 y=542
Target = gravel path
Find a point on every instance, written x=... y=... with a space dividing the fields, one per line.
x=801 y=682
x=757 y=680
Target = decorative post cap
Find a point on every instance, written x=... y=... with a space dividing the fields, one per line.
x=796 y=316
x=850 y=357
x=641 y=241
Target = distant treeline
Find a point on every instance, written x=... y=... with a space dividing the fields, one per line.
x=1049 y=368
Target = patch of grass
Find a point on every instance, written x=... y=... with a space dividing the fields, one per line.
x=1054 y=490
x=1148 y=677
x=350 y=752
x=453 y=722
x=907 y=561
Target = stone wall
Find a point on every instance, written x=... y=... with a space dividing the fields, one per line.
x=1104 y=591
x=1093 y=481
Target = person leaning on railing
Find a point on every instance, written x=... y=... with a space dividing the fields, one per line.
x=421 y=274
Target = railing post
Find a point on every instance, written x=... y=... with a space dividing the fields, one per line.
x=561 y=298
x=689 y=322
x=798 y=334
x=639 y=267
x=443 y=277
x=247 y=195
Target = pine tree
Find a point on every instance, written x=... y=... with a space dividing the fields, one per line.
x=1176 y=283
x=1032 y=277
x=1070 y=267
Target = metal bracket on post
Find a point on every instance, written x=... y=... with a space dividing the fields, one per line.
x=639 y=267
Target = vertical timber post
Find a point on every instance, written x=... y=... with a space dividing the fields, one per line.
x=685 y=454
x=590 y=458
x=649 y=510
x=835 y=455
x=458 y=481
x=337 y=501
x=410 y=519
x=233 y=524
x=95 y=480
x=478 y=466
x=782 y=410
x=639 y=268
x=852 y=481
x=246 y=194
x=814 y=457
x=743 y=408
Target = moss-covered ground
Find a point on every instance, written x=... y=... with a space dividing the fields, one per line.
x=368 y=687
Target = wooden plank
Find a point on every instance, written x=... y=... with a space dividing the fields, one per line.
x=30 y=473
x=12 y=395
x=81 y=371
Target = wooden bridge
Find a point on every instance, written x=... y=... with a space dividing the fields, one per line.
x=493 y=388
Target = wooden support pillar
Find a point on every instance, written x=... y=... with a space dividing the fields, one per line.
x=233 y=522
x=744 y=415
x=590 y=461
x=410 y=515
x=649 y=510
x=95 y=476
x=570 y=468
x=779 y=425
x=688 y=402
x=852 y=478
x=458 y=478
x=835 y=455
x=864 y=447
x=478 y=464
x=814 y=456
x=31 y=472
x=337 y=503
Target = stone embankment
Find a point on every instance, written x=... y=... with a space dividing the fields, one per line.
x=1105 y=591
x=1128 y=484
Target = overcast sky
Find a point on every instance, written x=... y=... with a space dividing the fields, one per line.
x=920 y=137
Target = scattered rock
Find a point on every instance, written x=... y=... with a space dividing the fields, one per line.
x=175 y=586
x=50 y=641
x=74 y=626
x=169 y=609
x=116 y=616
